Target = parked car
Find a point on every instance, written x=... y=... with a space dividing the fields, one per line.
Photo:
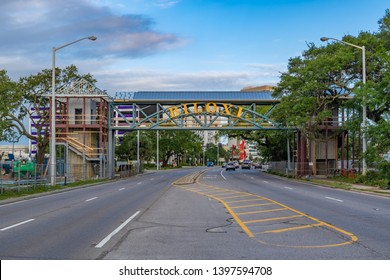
x=6 y=163
x=5 y=167
x=210 y=164
x=236 y=164
x=246 y=164
x=224 y=165
x=230 y=166
x=256 y=165
x=265 y=165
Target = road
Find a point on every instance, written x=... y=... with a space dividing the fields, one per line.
x=242 y=214
x=71 y=225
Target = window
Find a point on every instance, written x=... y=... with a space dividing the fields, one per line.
x=78 y=112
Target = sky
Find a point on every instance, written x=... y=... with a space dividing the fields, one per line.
x=174 y=44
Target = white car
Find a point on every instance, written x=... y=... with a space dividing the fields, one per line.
x=230 y=166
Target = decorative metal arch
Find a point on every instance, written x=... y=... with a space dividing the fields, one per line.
x=195 y=116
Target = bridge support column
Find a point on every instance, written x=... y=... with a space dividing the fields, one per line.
x=302 y=163
x=111 y=154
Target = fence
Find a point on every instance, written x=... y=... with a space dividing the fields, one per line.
x=308 y=169
x=15 y=175
x=347 y=169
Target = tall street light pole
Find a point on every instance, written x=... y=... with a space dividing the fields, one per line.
x=158 y=150
x=364 y=105
x=53 y=109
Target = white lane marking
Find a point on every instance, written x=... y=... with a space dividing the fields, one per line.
x=121 y=189
x=331 y=198
x=90 y=199
x=108 y=237
x=265 y=181
x=139 y=183
x=18 y=224
x=209 y=177
x=222 y=175
x=12 y=203
x=288 y=188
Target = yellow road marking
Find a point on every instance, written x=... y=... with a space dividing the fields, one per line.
x=262 y=220
x=235 y=217
x=276 y=218
x=261 y=211
x=251 y=205
x=350 y=235
x=242 y=224
x=219 y=191
x=245 y=200
x=289 y=229
x=228 y=197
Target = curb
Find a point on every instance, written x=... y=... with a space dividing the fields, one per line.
x=189 y=179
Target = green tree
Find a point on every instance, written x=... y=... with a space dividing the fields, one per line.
x=316 y=83
x=179 y=143
x=212 y=152
x=10 y=97
x=31 y=93
x=128 y=148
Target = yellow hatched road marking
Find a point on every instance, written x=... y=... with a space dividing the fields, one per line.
x=251 y=205
x=269 y=210
x=245 y=200
x=228 y=197
x=261 y=211
x=234 y=215
x=216 y=190
x=273 y=219
x=289 y=229
x=220 y=191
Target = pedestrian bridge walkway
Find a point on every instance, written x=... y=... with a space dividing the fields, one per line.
x=199 y=110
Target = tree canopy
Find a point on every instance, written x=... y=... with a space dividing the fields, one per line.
x=10 y=97
x=20 y=100
x=180 y=143
x=316 y=82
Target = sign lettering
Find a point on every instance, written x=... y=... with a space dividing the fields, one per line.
x=209 y=107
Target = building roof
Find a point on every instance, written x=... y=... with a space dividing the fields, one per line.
x=264 y=97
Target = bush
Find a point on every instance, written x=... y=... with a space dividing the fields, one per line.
x=373 y=178
x=379 y=177
x=384 y=169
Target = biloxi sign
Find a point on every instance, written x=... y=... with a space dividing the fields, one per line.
x=212 y=108
x=191 y=115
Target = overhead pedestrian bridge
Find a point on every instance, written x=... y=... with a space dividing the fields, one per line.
x=193 y=110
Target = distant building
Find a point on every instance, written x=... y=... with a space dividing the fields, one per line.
x=259 y=88
x=19 y=151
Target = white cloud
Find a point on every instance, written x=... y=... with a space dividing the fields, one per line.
x=33 y=27
x=138 y=80
x=267 y=67
x=29 y=30
x=167 y=3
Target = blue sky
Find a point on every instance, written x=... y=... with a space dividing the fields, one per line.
x=175 y=44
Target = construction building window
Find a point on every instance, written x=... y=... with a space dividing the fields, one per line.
x=78 y=113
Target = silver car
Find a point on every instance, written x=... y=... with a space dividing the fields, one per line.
x=230 y=166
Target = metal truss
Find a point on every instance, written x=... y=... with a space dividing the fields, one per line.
x=194 y=116
x=82 y=88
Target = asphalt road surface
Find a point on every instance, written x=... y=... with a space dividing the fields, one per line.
x=242 y=214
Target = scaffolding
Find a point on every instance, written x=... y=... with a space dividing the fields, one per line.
x=82 y=128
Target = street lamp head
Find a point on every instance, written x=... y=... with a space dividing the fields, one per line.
x=93 y=38
x=323 y=39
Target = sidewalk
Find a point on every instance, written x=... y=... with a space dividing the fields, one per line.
x=354 y=187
